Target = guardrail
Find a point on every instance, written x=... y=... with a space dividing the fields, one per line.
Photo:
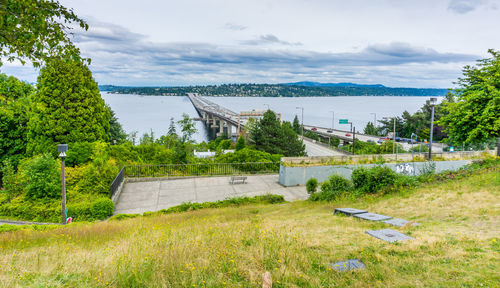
x=115 y=185
x=213 y=169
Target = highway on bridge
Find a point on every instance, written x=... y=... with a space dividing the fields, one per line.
x=315 y=149
x=436 y=147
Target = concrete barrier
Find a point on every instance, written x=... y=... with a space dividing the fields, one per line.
x=298 y=175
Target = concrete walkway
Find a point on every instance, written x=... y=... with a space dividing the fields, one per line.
x=139 y=197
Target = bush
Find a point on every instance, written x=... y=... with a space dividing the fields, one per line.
x=43 y=177
x=102 y=208
x=120 y=217
x=79 y=153
x=380 y=176
x=360 y=178
x=332 y=188
x=311 y=185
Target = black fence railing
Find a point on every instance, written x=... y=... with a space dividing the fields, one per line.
x=213 y=169
x=117 y=182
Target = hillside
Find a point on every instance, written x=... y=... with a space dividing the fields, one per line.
x=299 y=89
x=456 y=245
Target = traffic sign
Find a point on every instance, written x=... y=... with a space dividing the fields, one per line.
x=343 y=121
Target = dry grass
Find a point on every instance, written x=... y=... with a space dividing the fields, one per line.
x=456 y=245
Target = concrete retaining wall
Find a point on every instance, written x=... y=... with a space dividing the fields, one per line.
x=292 y=176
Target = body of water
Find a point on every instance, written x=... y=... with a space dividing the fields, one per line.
x=146 y=113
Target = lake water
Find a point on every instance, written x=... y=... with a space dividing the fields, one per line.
x=146 y=113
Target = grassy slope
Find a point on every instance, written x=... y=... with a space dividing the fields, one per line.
x=456 y=245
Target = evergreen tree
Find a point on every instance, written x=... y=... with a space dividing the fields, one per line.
x=116 y=133
x=370 y=129
x=296 y=125
x=240 y=144
x=272 y=137
x=66 y=108
x=171 y=128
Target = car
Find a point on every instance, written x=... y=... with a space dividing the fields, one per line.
x=329 y=131
x=412 y=141
x=314 y=129
x=347 y=134
x=380 y=141
x=370 y=140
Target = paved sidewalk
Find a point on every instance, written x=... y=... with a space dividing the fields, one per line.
x=139 y=197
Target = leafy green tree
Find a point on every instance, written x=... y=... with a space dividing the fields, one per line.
x=370 y=129
x=14 y=115
x=43 y=177
x=296 y=125
x=271 y=136
x=240 y=144
x=187 y=128
x=116 y=133
x=474 y=116
x=67 y=108
x=36 y=30
x=147 y=138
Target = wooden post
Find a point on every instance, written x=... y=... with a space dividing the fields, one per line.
x=63 y=185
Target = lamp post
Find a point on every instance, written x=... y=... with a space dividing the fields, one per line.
x=62 y=148
x=333 y=119
x=393 y=135
x=302 y=108
x=432 y=102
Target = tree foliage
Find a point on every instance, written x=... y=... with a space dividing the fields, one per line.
x=14 y=113
x=475 y=115
x=370 y=129
x=188 y=128
x=116 y=133
x=296 y=125
x=271 y=136
x=36 y=30
x=67 y=108
x=240 y=144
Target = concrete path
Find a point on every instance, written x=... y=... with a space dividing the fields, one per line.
x=139 y=197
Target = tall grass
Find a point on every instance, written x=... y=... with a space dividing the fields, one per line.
x=456 y=245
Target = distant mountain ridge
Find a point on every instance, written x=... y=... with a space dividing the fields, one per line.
x=297 y=89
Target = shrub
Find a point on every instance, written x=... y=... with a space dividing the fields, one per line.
x=80 y=211
x=120 y=217
x=240 y=144
x=43 y=178
x=360 y=178
x=102 y=208
x=311 y=185
x=79 y=153
x=332 y=188
x=380 y=176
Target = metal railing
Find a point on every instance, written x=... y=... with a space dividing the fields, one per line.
x=117 y=182
x=213 y=169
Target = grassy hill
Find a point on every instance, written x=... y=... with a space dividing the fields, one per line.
x=456 y=245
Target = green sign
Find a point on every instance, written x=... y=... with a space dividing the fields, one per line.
x=343 y=121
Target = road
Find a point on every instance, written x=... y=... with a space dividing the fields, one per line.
x=314 y=149
x=436 y=147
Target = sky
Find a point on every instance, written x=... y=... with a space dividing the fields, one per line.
x=397 y=43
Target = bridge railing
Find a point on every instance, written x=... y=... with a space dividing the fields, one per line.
x=117 y=182
x=213 y=169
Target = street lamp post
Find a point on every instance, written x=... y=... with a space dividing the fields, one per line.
x=333 y=120
x=302 y=108
x=432 y=102
x=62 y=148
x=393 y=135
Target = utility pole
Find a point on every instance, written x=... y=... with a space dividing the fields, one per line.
x=432 y=102
x=353 y=139
x=374 y=120
x=333 y=120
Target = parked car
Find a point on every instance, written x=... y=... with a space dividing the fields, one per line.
x=314 y=129
x=370 y=140
x=412 y=141
x=347 y=134
x=380 y=141
x=329 y=131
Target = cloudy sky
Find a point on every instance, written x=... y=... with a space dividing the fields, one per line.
x=399 y=43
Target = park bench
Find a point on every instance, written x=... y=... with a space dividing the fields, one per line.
x=238 y=179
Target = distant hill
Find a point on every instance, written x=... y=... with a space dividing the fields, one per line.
x=298 y=89
x=318 y=84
